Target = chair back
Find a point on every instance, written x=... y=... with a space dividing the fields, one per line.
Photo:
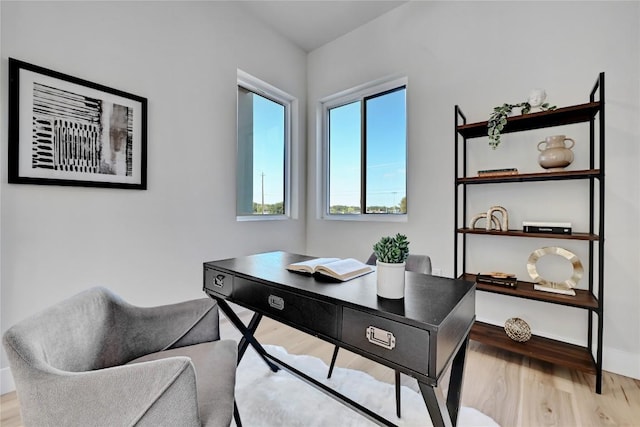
x=69 y=336
x=415 y=263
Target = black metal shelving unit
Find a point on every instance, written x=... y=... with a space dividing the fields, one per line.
x=589 y=358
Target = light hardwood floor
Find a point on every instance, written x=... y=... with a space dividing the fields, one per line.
x=513 y=390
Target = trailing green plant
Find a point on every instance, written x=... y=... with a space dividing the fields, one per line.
x=498 y=119
x=394 y=250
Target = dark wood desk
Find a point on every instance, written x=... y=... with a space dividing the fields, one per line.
x=419 y=335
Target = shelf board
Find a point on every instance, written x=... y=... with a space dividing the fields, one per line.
x=540 y=348
x=561 y=116
x=583 y=299
x=535 y=176
x=520 y=233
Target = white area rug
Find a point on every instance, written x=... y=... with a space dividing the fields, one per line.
x=279 y=399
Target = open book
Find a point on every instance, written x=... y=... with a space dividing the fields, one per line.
x=339 y=269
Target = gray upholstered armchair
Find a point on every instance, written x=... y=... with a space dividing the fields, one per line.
x=94 y=360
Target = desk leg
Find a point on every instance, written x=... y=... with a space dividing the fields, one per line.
x=333 y=360
x=251 y=329
x=436 y=405
x=456 y=379
x=398 y=395
x=444 y=413
x=247 y=333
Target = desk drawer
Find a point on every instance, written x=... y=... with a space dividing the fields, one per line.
x=218 y=282
x=405 y=345
x=308 y=314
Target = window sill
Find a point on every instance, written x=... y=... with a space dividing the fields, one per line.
x=262 y=218
x=368 y=217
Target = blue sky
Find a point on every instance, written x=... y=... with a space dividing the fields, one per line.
x=268 y=134
x=386 y=153
x=386 y=149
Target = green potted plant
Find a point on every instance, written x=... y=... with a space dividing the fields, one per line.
x=391 y=253
x=498 y=118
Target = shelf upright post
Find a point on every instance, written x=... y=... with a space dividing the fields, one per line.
x=592 y=163
x=601 y=234
x=459 y=116
x=599 y=89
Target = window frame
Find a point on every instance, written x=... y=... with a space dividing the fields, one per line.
x=359 y=93
x=261 y=88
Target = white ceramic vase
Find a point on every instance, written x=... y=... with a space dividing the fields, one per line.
x=390 y=279
x=555 y=155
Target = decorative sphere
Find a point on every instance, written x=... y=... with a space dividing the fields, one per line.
x=517 y=329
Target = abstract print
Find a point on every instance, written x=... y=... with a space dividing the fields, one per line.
x=77 y=133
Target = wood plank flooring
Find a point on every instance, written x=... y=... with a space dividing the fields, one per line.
x=512 y=389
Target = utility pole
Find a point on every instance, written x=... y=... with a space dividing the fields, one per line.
x=262 y=193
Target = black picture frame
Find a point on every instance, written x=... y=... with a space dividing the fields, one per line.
x=64 y=130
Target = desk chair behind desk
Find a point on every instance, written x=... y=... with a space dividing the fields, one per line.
x=415 y=263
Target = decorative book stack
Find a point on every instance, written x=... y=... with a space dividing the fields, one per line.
x=546 y=227
x=498 y=172
x=497 y=278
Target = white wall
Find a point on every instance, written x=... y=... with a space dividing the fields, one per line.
x=147 y=246
x=479 y=55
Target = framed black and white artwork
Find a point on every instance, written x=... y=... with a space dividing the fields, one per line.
x=67 y=131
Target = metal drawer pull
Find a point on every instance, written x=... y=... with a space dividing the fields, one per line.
x=276 y=302
x=219 y=280
x=381 y=337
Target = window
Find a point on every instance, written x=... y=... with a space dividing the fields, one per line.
x=365 y=151
x=264 y=130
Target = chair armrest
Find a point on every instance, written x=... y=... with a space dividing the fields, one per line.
x=159 y=392
x=151 y=329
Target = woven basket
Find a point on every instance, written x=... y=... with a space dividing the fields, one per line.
x=517 y=329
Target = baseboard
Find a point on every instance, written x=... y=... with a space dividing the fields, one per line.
x=621 y=362
x=6 y=381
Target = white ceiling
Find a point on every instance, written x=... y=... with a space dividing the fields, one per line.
x=313 y=23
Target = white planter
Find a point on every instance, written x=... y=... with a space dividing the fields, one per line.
x=390 y=280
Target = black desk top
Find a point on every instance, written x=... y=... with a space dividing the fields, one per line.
x=428 y=301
